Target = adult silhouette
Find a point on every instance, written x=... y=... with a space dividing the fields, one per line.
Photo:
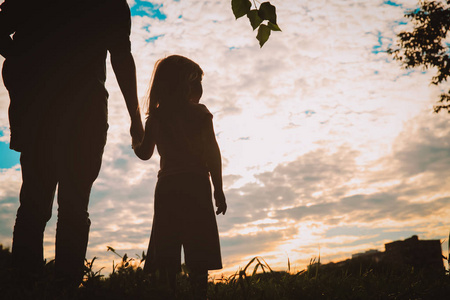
x=55 y=74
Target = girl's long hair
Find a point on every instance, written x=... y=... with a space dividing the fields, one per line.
x=171 y=83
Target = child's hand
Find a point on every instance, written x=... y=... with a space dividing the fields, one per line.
x=221 y=203
x=136 y=148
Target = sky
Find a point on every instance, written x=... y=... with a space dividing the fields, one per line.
x=329 y=147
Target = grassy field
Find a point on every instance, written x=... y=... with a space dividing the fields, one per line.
x=355 y=280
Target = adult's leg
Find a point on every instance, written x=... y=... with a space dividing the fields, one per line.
x=80 y=166
x=36 y=199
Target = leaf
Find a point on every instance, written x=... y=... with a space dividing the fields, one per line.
x=273 y=27
x=263 y=34
x=240 y=7
x=254 y=18
x=268 y=12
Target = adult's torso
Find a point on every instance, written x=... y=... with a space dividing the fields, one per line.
x=62 y=43
x=56 y=72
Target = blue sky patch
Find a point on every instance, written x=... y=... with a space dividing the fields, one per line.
x=147 y=27
x=409 y=73
x=392 y=3
x=153 y=38
x=147 y=9
x=8 y=158
x=401 y=22
x=379 y=47
x=376 y=48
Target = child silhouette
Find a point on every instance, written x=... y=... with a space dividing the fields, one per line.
x=182 y=130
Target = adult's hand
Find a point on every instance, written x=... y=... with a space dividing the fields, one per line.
x=136 y=132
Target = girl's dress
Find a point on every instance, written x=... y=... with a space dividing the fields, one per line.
x=183 y=210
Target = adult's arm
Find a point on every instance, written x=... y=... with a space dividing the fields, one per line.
x=123 y=63
x=125 y=70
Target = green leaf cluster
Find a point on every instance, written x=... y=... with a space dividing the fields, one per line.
x=264 y=18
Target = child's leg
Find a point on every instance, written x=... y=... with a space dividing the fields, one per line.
x=168 y=278
x=199 y=282
x=164 y=252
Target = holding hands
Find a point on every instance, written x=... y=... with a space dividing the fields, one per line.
x=136 y=132
x=136 y=129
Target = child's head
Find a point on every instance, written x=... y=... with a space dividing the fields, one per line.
x=176 y=81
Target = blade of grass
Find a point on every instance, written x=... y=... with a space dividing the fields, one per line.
x=249 y=263
x=289 y=265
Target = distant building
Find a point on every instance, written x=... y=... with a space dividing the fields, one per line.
x=425 y=254
x=372 y=255
x=368 y=253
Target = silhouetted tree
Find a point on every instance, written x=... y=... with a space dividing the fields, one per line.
x=426 y=44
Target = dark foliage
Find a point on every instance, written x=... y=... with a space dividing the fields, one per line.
x=357 y=279
x=425 y=45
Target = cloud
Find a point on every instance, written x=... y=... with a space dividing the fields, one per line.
x=9 y=191
x=398 y=195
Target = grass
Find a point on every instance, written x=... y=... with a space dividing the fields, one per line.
x=257 y=280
